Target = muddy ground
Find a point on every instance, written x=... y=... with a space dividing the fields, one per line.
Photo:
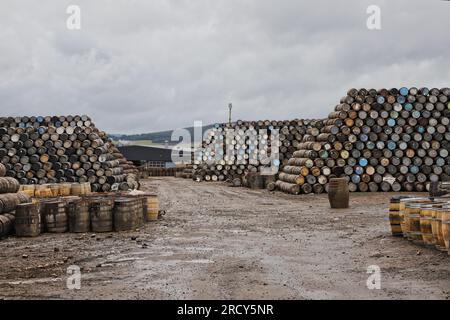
x=218 y=242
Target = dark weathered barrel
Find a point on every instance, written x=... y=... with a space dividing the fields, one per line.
x=27 y=220
x=101 y=213
x=338 y=193
x=6 y=224
x=78 y=215
x=125 y=217
x=55 y=216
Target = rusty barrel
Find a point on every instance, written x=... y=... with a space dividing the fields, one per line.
x=426 y=217
x=78 y=215
x=338 y=193
x=125 y=217
x=446 y=226
x=101 y=214
x=55 y=216
x=6 y=224
x=27 y=222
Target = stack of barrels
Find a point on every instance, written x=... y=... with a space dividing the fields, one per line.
x=80 y=214
x=59 y=149
x=379 y=140
x=10 y=199
x=423 y=221
x=251 y=146
x=187 y=172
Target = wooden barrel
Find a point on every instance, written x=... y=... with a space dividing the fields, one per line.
x=152 y=208
x=9 y=185
x=78 y=215
x=426 y=212
x=27 y=220
x=8 y=202
x=6 y=224
x=445 y=225
x=394 y=217
x=43 y=192
x=2 y=170
x=55 y=216
x=65 y=189
x=338 y=193
x=412 y=221
x=54 y=188
x=440 y=242
x=124 y=214
x=255 y=180
x=77 y=189
x=28 y=189
x=101 y=214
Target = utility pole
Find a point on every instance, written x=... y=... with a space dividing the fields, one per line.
x=230 y=106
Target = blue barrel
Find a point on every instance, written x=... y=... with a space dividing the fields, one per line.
x=401 y=99
x=363 y=162
x=391 y=145
x=404 y=91
x=408 y=107
x=380 y=99
x=359 y=170
x=420 y=129
x=363 y=137
x=356 y=179
x=41 y=130
x=40 y=119
x=391 y=122
x=370 y=145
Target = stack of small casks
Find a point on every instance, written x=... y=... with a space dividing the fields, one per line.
x=91 y=212
x=59 y=149
x=423 y=221
x=385 y=140
x=10 y=198
x=230 y=157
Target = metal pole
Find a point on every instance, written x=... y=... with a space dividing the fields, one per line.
x=230 y=106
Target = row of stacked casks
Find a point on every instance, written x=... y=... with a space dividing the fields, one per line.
x=160 y=171
x=186 y=172
x=423 y=221
x=40 y=150
x=10 y=198
x=379 y=140
x=253 y=146
x=95 y=212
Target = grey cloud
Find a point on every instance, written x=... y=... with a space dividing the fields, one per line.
x=140 y=66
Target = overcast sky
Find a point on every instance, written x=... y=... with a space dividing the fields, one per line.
x=148 y=65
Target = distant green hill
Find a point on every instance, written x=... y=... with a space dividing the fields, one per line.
x=155 y=137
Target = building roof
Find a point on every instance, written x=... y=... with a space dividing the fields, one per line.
x=142 y=153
